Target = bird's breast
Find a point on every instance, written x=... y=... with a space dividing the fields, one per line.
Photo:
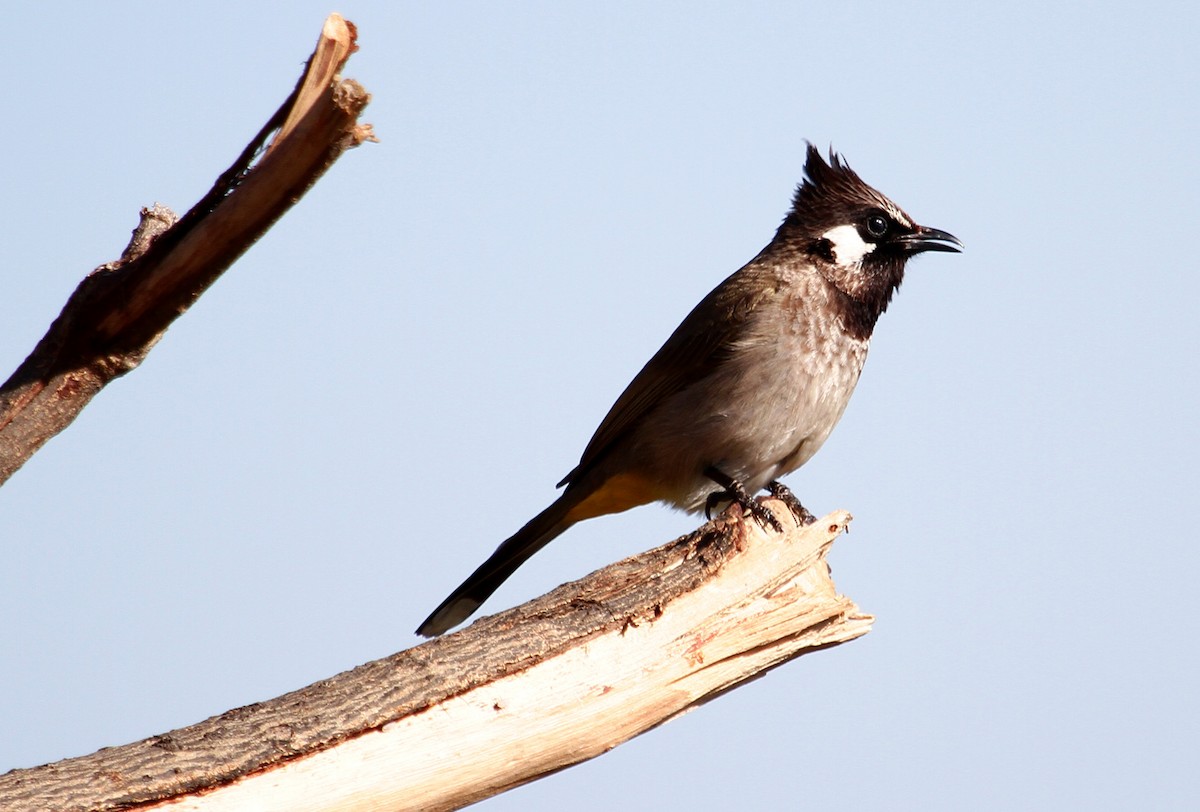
x=763 y=411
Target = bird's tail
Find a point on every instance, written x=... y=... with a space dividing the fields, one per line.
x=585 y=498
x=512 y=553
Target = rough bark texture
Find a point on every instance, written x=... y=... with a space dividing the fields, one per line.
x=511 y=698
x=121 y=309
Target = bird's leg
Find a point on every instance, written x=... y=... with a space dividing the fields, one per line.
x=735 y=491
x=784 y=494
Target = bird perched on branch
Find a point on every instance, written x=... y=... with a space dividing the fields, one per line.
x=749 y=386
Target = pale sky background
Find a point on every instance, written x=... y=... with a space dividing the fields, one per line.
x=422 y=348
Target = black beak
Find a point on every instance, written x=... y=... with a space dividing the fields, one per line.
x=930 y=239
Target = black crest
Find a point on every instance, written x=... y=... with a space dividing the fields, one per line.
x=832 y=191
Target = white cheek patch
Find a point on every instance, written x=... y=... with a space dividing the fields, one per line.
x=848 y=247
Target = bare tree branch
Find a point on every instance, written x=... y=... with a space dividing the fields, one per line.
x=511 y=698
x=121 y=309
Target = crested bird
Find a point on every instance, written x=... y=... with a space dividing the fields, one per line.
x=749 y=385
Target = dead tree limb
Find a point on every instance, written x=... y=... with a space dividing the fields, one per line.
x=121 y=309
x=511 y=698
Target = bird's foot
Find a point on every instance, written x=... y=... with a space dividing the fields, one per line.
x=736 y=492
x=710 y=504
x=784 y=494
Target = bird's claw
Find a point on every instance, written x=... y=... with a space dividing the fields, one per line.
x=784 y=494
x=710 y=504
x=735 y=492
x=763 y=514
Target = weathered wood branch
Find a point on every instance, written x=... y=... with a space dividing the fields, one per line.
x=513 y=697
x=121 y=309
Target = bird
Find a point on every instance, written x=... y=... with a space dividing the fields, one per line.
x=748 y=386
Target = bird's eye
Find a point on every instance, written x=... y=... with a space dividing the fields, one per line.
x=877 y=225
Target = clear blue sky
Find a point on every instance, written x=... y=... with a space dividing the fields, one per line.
x=396 y=376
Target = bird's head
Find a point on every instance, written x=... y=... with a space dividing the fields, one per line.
x=857 y=238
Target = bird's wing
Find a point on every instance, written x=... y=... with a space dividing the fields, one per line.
x=704 y=340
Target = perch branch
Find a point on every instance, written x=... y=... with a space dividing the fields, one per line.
x=511 y=698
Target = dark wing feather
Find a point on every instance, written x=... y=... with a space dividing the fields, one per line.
x=699 y=344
